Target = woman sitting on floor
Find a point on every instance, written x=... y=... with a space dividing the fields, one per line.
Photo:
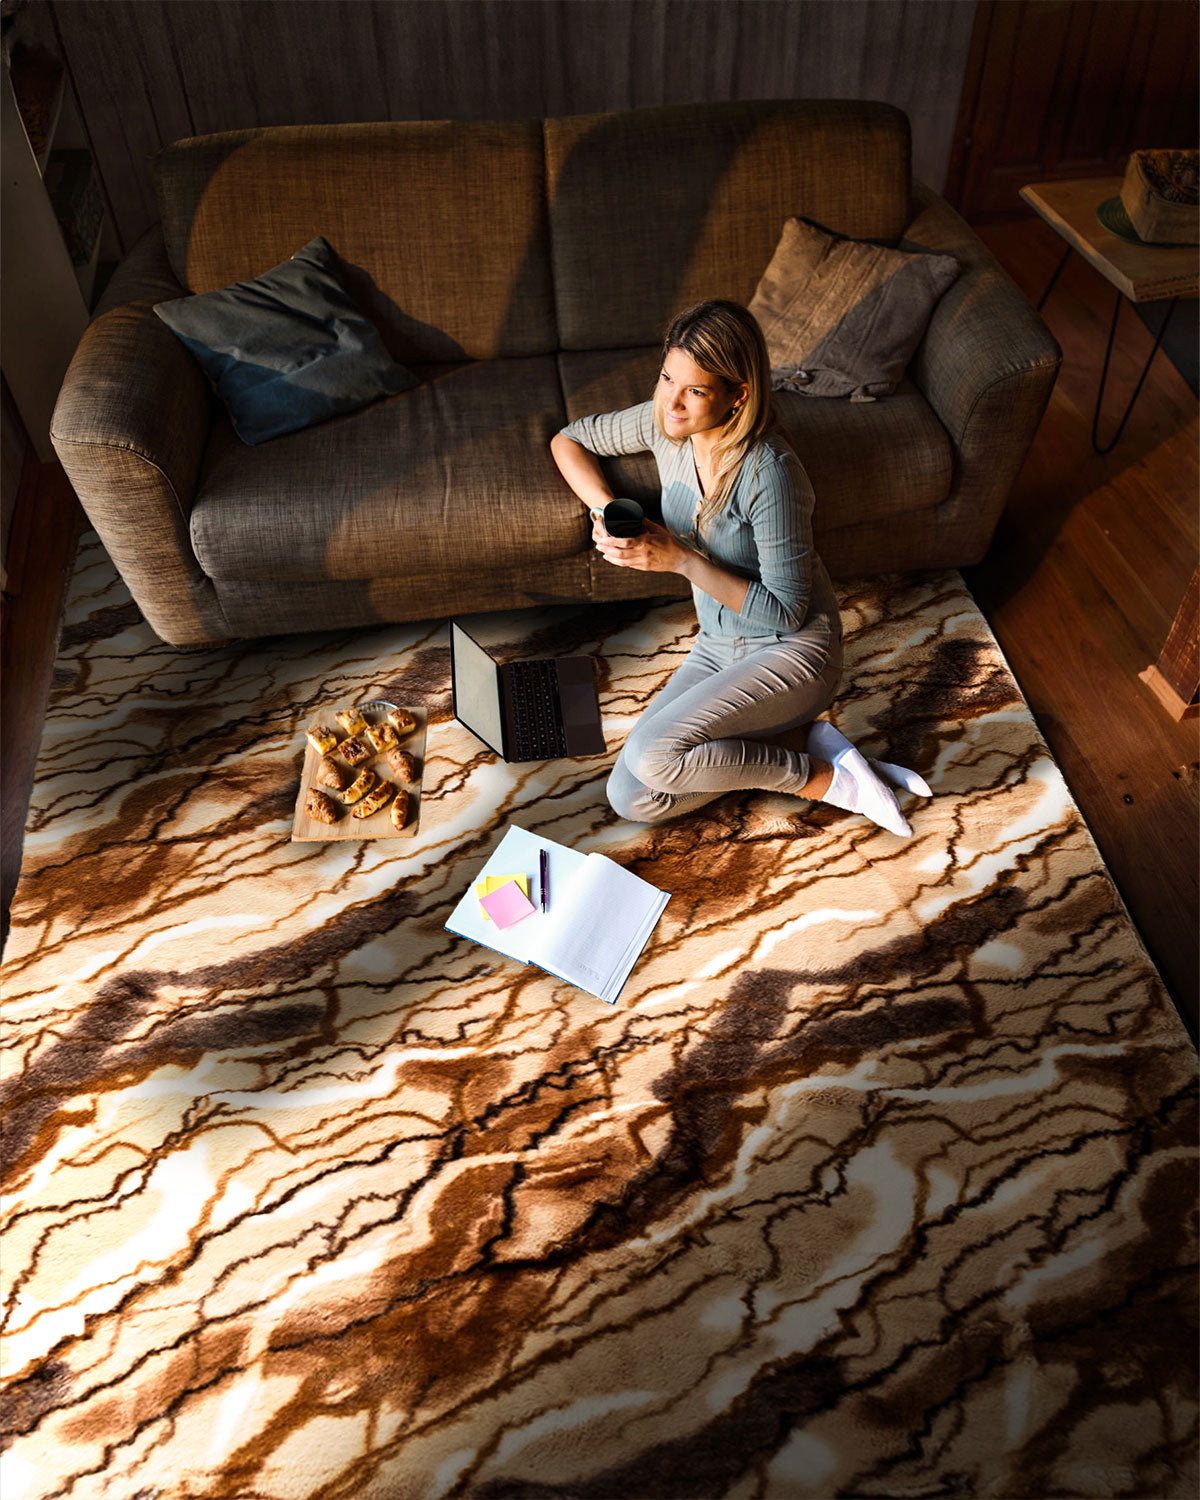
x=738 y=511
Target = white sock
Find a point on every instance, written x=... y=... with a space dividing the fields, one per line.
x=901 y=776
x=855 y=787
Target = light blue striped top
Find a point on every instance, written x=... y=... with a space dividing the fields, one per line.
x=763 y=532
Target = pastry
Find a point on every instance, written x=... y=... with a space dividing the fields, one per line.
x=329 y=774
x=382 y=736
x=351 y=720
x=374 y=800
x=322 y=807
x=403 y=764
x=400 y=809
x=353 y=751
x=358 y=788
x=401 y=721
x=321 y=738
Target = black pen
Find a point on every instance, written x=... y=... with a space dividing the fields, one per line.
x=543 y=874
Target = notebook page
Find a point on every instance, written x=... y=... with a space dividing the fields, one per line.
x=598 y=927
x=517 y=850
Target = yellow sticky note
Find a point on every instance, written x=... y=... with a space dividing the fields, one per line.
x=492 y=883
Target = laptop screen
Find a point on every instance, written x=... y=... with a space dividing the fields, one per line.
x=476 y=689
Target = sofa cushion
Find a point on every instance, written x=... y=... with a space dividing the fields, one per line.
x=288 y=349
x=842 y=317
x=453 y=476
x=867 y=462
x=652 y=210
x=441 y=224
x=870 y=461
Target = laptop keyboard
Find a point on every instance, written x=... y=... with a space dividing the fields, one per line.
x=537 y=730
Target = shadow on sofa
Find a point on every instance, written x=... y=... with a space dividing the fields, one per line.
x=525 y=271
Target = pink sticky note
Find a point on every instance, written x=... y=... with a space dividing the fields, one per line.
x=507 y=905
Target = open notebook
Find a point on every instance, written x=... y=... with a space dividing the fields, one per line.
x=599 y=920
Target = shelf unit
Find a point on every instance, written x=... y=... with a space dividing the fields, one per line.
x=46 y=295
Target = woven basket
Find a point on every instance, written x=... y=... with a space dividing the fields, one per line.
x=1160 y=196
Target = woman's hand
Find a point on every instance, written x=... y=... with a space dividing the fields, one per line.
x=655 y=551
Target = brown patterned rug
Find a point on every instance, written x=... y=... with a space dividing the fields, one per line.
x=878 y=1180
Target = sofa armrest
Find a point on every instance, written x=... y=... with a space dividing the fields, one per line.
x=986 y=365
x=145 y=275
x=130 y=428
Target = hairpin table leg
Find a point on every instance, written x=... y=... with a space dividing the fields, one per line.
x=1136 y=390
x=1050 y=284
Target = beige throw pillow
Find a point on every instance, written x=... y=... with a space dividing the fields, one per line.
x=842 y=317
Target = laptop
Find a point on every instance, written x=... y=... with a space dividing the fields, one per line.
x=542 y=709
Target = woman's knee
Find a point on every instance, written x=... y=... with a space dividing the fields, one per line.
x=655 y=762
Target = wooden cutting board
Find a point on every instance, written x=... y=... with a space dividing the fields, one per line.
x=378 y=825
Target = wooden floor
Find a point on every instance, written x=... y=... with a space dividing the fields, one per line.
x=1089 y=564
x=1088 y=567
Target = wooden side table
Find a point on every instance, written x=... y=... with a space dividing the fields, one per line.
x=1143 y=273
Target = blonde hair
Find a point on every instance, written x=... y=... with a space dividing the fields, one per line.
x=724 y=339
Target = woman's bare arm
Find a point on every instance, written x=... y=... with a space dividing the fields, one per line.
x=657 y=551
x=726 y=588
x=581 y=470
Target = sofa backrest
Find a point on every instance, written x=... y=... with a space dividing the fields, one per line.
x=652 y=210
x=477 y=239
x=441 y=224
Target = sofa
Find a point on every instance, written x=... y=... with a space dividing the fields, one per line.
x=525 y=271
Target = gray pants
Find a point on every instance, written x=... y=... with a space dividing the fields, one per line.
x=708 y=731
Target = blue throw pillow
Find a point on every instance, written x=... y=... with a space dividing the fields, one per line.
x=288 y=349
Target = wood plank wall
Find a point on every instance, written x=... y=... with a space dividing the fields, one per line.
x=1069 y=90
x=147 y=72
